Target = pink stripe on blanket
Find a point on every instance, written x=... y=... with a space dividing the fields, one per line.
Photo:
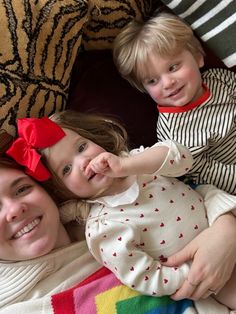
x=84 y=296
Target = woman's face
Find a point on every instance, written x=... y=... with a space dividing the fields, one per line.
x=29 y=218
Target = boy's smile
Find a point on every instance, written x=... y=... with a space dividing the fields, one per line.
x=174 y=81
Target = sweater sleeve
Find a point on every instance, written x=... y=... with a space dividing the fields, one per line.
x=178 y=160
x=119 y=247
x=217 y=202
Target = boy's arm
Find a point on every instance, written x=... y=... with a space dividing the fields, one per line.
x=217 y=202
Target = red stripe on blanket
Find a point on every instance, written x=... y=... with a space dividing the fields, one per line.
x=63 y=303
x=98 y=274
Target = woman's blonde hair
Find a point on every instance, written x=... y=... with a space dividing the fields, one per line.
x=102 y=130
x=164 y=35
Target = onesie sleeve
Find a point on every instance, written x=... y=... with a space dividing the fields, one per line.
x=118 y=246
x=217 y=202
x=178 y=161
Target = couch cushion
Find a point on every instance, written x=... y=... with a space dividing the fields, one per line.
x=108 y=17
x=39 y=43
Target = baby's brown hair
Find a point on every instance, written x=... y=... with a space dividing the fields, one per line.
x=105 y=131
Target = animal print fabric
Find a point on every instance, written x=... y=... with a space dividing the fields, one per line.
x=108 y=17
x=39 y=41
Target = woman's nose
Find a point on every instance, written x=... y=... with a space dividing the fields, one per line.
x=14 y=211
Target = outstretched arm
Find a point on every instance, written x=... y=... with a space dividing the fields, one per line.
x=167 y=158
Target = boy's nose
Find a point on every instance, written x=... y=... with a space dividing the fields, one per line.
x=168 y=81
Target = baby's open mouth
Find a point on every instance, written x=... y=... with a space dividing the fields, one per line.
x=27 y=228
x=92 y=175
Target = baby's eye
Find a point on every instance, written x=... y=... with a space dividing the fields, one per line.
x=82 y=147
x=23 y=190
x=66 y=169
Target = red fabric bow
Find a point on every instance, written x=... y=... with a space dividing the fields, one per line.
x=34 y=134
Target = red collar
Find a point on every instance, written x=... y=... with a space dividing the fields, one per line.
x=189 y=106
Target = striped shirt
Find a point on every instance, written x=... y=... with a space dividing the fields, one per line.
x=208 y=128
x=213 y=21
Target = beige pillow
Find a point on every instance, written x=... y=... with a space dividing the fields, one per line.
x=39 y=42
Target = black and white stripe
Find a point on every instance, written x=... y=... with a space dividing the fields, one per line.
x=209 y=130
x=213 y=21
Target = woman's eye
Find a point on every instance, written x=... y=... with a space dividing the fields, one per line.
x=24 y=189
x=66 y=170
x=81 y=147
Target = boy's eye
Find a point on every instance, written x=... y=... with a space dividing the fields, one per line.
x=81 y=147
x=173 y=67
x=152 y=81
x=66 y=169
x=23 y=190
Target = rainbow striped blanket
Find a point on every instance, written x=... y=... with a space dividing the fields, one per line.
x=103 y=293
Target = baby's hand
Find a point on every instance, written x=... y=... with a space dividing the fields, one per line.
x=107 y=164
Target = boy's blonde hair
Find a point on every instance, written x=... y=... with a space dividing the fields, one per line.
x=164 y=35
x=105 y=132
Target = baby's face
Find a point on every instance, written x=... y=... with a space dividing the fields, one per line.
x=70 y=157
x=29 y=219
x=174 y=81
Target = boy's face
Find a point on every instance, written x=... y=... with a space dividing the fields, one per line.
x=70 y=157
x=29 y=218
x=175 y=81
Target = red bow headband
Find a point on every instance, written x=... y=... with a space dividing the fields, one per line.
x=34 y=134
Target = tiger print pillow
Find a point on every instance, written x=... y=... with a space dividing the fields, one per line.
x=108 y=17
x=39 y=41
